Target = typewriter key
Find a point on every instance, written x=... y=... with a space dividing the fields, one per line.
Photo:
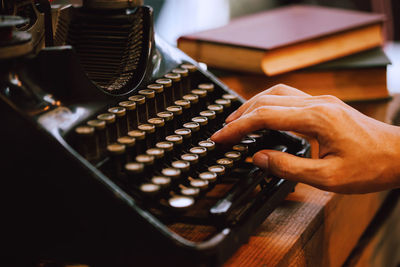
x=158 y=155
x=140 y=137
x=194 y=103
x=184 y=79
x=250 y=143
x=162 y=181
x=210 y=115
x=259 y=137
x=186 y=111
x=234 y=100
x=243 y=149
x=210 y=146
x=211 y=177
x=140 y=101
x=195 y=129
x=159 y=123
x=219 y=114
x=129 y=143
x=227 y=163
x=148 y=162
x=135 y=172
x=209 y=87
x=87 y=144
x=150 y=190
x=189 y=191
x=226 y=103
x=131 y=113
x=121 y=121
x=117 y=157
x=100 y=133
x=199 y=183
x=150 y=130
x=177 y=140
x=186 y=135
x=150 y=96
x=172 y=173
x=235 y=156
x=168 y=91
x=202 y=94
x=192 y=70
x=178 y=118
x=203 y=122
x=176 y=85
x=201 y=152
x=218 y=169
x=160 y=98
x=168 y=148
x=111 y=127
x=183 y=166
x=168 y=118
x=181 y=203
x=193 y=161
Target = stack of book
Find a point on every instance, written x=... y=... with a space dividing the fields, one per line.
x=319 y=50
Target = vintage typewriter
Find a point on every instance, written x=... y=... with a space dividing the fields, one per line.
x=105 y=145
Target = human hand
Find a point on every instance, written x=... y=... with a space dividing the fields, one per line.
x=357 y=154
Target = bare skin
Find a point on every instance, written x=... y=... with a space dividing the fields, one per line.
x=357 y=154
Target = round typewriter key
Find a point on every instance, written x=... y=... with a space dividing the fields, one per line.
x=202 y=94
x=129 y=143
x=186 y=135
x=149 y=190
x=140 y=137
x=140 y=101
x=203 y=122
x=158 y=155
x=189 y=191
x=159 y=123
x=209 y=87
x=250 y=143
x=194 y=103
x=178 y=115
x=193 y=161
x=243 y=149
x=186 y=108
x=233 y=155
x=168 y=91
x=87 y=144
x=168 y=118
x=192 y=70
x=218 y=169
x=183 y=166
x=150 y=130
x=181 y=203
x=195 y=129
x=210 y=146
x=177 y=140
x=172 y=173
x=162 y=181
x=150 y=96
x=234 y=100
x=100 y=133
x=227 y=163
x=184 y=78
x=131 y=113
x=259 y=137
x=160 y=98
x=168 y=148
x=199 y=183
x=148 y=162
x=111 y=127
x=211 y=177
x=117 y=157
x=210 y=115
x=201 y=152
x=226 y=103
x=176 y=84
x=135 y=172
x=219 y=112
x=121 y=121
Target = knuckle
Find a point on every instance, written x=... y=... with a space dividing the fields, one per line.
x=279 y=89
x=329 y=99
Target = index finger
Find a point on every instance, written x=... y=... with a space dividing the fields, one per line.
x=272 y=117
x=279 y=89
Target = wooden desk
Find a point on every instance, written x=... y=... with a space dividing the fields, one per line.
x=318 y=228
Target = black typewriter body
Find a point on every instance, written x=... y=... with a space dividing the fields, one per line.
x=60 y=205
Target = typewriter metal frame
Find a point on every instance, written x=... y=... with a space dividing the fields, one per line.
x=57 y=197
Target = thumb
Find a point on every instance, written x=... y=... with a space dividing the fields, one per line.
x=290 y=167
